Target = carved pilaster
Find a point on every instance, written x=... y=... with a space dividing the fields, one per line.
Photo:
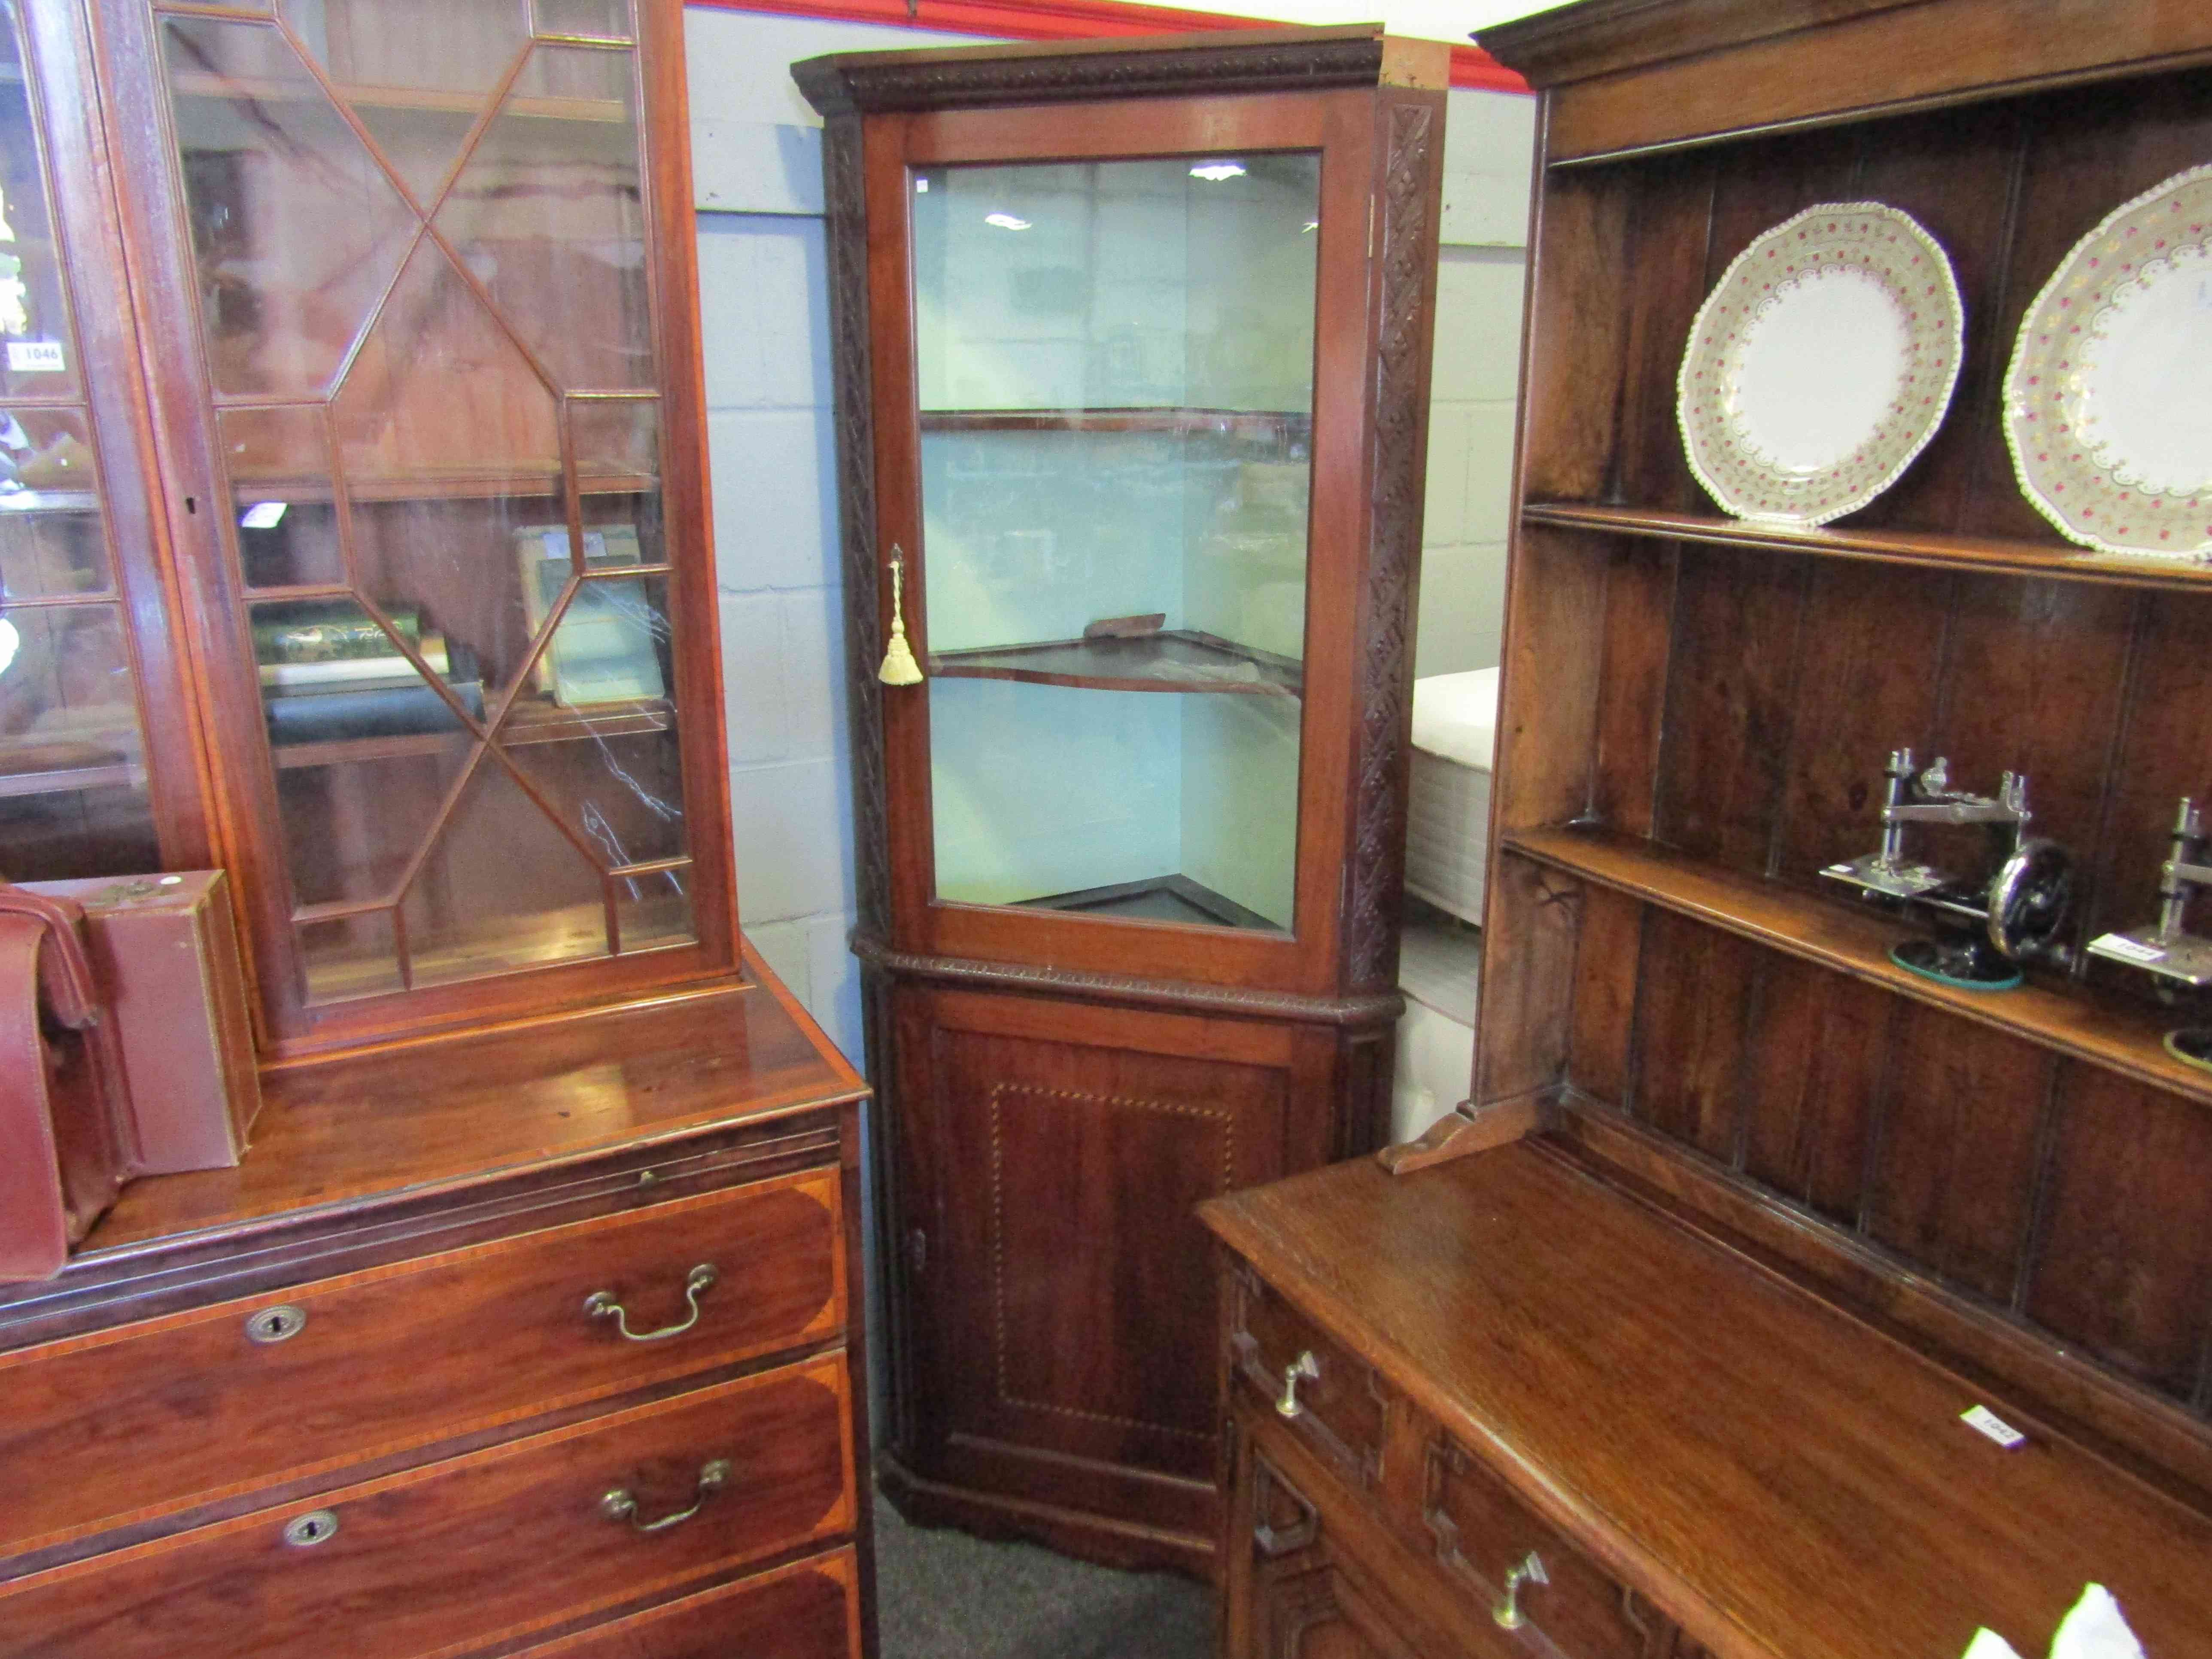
x=1413 y=127
x=848 y=225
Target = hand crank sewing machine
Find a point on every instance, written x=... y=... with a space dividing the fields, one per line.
x=2178 y=961
x=1986 y=924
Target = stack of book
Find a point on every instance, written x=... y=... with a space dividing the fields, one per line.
x=328 y=673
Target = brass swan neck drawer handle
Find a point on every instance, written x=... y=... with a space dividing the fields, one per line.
x=601 y=1304
x=1304 y=1368
x=619 y=1505
x=1507 y=1613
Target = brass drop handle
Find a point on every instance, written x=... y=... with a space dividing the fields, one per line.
x=1507 y=1613
x=601 y=1304
x=1305 y=1366
x=619 y=1505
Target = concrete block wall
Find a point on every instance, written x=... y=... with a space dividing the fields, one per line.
x=757 y=178
x=1488 y=140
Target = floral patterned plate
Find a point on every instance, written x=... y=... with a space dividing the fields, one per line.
x=2108 y=403
x=1822 y=364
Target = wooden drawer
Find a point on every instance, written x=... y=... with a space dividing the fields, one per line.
x=493 y=1545
x=129 y=1424
x=1337 y=1405
x=1483 y=1533
x=810 y=1610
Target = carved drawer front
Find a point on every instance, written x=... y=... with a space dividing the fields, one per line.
x=221 y=1402
x=1522 y=1572
x=809 y=1610
x=519 y=1537
x=1325 y=1394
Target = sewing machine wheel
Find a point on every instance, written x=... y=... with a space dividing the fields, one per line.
x=1968 y=963
x=2030 y=897
x=2192 y=1045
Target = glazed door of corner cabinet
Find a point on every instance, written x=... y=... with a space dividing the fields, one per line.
x=99 y=774
x=1063 y=1300
x=428 y=267
x=1119 y=437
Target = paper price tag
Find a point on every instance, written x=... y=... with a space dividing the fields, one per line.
x=35 y=357
x=2119 y=944
x=1983 y=1420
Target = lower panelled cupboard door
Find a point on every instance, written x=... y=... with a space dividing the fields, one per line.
x=810 y=1610
x=520 y=1537
x=1055 y=1154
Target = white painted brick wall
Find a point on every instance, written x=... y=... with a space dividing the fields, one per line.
x=1488 y=140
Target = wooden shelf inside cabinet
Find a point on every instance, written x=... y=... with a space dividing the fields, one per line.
x=1179 y=660
x=1857 y=942
x=464 y=104
x=443 y=486
x=1197 y=422
x=1992 y=555
x=531 y=724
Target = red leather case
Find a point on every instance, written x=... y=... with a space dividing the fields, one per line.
x=65 y=1143
x=165 y=954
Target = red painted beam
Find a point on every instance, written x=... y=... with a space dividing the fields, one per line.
x=1072 y=20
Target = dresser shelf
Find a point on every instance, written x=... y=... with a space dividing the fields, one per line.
x=2078 y=1024
x=1987 y=555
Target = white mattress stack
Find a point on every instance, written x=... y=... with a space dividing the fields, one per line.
x=1448 y=817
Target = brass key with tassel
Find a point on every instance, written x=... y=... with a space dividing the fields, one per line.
x=899 y=667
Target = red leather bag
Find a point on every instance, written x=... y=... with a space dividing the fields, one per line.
x=65 y=1136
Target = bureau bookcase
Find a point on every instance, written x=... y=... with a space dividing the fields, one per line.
x=354 y=538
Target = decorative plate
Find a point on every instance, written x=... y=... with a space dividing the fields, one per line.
x=2108 y=402
x=1822 y=364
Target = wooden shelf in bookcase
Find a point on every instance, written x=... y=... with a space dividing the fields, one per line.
x=31 y=503
x=530 y=723
x=62 y=780
x=466 y=105
x=1988 y=555
x=1856 y=942
x=442 y=486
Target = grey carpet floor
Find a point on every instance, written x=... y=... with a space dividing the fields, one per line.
x=942 y=1595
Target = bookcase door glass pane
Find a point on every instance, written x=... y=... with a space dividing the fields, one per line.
x=1116 y=367
x=73 y=796
x=421 y=238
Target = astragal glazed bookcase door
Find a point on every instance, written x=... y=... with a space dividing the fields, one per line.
x=449 y=414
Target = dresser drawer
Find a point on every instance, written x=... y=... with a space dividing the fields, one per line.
x=809 y=1610
x=495 y=1544
x=1330 y=1398
x=137 y=1423
x=1486 y=1536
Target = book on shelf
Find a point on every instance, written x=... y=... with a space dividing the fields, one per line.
x=325 y=630
x=605 y=648
x=287 y=680
x=376 y=710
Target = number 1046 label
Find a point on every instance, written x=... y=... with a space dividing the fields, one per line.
x=35 y=357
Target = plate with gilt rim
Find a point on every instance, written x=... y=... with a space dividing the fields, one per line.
x=1820 y=364
x=2108 y=400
